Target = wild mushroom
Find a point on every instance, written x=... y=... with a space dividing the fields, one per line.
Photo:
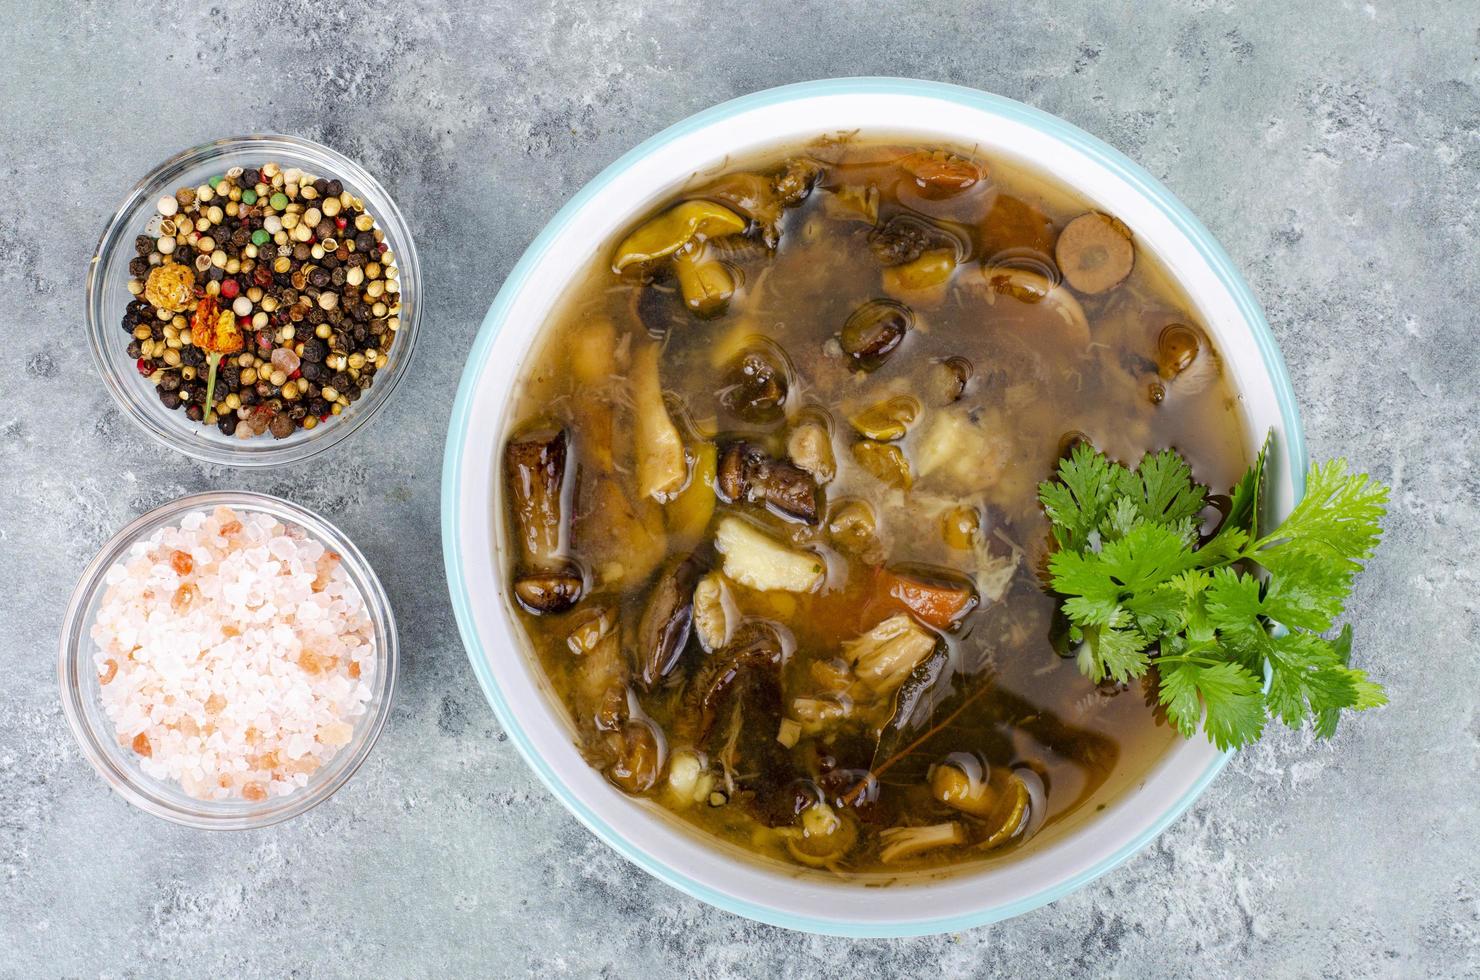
x=902 y=843
x=1094 y=252
x=810 y=446
x=661 y=465
x=638 y=749
x=887 y=420
x=758 y=561
x=853 y=527
x=1183 y=357
x=688 y=513
x=822 y=836
x=860 y=686
x=746 y=473
x=1030 y=287
x=905 y=237
x=924 y=280
x=663 y=630
x=755 y=652
x=874 y=331
x=796 y=180
x=886 y=462
x=535 y=475
x=946 y=380
x=757 y=386
x=715 y=612
x=671 y=232
x=705 y=282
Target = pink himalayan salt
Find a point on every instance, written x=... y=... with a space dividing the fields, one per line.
x=233 y=655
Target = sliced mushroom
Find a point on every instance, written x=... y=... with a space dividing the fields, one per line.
x=1027 y=286
x=661 y=465
x=758 y=384
x=936 y=597
x=758 y=561
x=810 y=446
x=755 y=652
x=902 y=843
x=672 y=231
x=885 y=461
x=664 y=628
x=1183 y=356
x=874 y=331
x=961 y=781
x=1016 y=225
x=884 y=656
x=746 y=473
x=1094 y=252
x=887 y=420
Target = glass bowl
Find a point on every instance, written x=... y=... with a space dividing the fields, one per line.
x=107 y=297
x=81 y=688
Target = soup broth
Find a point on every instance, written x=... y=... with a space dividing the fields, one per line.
x=770 y=489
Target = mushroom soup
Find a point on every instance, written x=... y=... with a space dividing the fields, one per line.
x=770 y=492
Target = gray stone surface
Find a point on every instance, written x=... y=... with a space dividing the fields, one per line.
x=1336 y=154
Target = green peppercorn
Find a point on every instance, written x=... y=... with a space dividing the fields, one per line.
x=215 y=181
x=278 y=201
x=260 y=236
x=249 y=196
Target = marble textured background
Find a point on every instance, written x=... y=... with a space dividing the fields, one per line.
x=1334 y=148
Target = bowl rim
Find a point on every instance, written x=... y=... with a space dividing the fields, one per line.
x=115 y=236
x=74 y=654
x=1092 y=147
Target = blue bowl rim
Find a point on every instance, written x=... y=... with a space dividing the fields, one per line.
x=1108 y=157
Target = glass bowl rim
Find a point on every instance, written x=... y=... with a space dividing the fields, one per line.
x=116 y=233
x=74 y=655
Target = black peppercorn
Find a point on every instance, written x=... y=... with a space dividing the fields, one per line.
x=248 y=396
x=335 y=188
x=171 y=399
x=318 y=406
x=192 y=356
x=226 y=422
x=194 y=412
x=364 y=241
x=139 y=267
x=134 y=350
x=318 y=278
x=281 y=426
x=170 y=381
x=143 y=244
x=321 y=185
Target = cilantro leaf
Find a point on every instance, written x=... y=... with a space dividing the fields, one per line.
x=1162 y=490
x=1214 y=618
x=1340 y=510
x=1078 y=502
x=1226 y=697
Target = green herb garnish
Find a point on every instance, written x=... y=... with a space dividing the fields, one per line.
x=1142 y=588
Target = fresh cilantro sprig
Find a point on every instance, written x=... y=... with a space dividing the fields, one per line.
x=1142 y=588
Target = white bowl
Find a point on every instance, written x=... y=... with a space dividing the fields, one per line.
x=529 y=712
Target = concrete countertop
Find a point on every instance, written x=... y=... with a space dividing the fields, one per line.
x=1334 y=149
